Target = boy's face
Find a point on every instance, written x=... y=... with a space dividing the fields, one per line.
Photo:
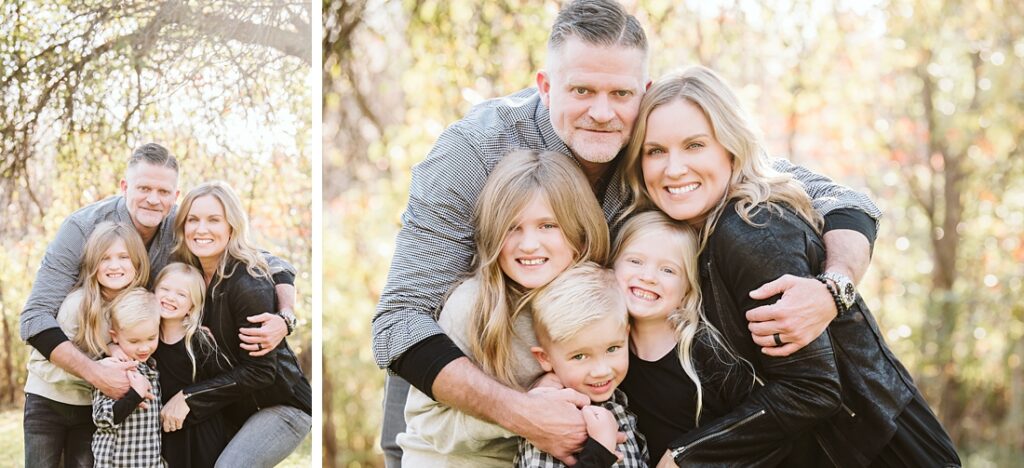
x=592 y=362
x=138 y=341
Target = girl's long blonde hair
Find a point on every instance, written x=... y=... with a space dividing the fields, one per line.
x=194 y=318
x=753 y=182
x=520 y=176
x=239 y=247
x=92 y=336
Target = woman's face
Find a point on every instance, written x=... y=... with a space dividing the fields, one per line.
x=206 y=228
x=115 y=270
x=686 y=171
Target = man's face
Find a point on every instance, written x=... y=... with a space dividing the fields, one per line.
x=150 y=192
x=593 y=94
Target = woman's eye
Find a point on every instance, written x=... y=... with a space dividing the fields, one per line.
x=655 y=151
x=695 y=145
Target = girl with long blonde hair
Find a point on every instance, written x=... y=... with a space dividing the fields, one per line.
x=535 y=217
x=114 y=261
x=187 y=355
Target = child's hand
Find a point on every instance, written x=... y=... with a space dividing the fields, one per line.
x=141 y=385
x=117 y=353
x=548 y=380
x=602 y=427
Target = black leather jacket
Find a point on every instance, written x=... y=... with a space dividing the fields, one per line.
x=249 y=383
x=838 y=396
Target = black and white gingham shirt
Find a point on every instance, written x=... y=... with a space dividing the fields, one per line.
x=435 y=245
x=634 y=449
x=134 y=442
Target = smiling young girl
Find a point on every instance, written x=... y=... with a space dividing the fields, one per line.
x=57 y=403
x=535 y=217
x=186 y=355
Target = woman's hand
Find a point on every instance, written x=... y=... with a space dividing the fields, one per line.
x=264 y=338
x=667 y=461
x=172 y=417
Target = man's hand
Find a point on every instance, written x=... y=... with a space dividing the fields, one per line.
x=548 y=380
x=552 y=421
x=262 y=340
x=667 y=461
x=116 y=352
x=172 y=417
x=802 y=313
x=110 y=376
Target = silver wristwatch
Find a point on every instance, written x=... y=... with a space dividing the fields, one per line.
x=846 y=291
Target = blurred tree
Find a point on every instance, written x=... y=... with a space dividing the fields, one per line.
x=222 y=84
x=918 y=102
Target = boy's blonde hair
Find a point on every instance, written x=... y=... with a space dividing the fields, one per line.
x=92 y=336
x=577 y=298
x=133 y=307
x=515 y=180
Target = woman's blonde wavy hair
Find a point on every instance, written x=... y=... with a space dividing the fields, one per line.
x=520 y=176
x=239 y=246
x=92 y=336
x=753 y=182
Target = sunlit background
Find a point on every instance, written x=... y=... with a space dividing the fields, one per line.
x=918 y=103
x=225 y=85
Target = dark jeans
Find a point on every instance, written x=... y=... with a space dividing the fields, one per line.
x=52 y=429
x=396 y=391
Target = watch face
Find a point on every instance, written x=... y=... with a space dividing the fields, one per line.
x=849 y=294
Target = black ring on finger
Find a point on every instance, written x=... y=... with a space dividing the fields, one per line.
x=778 y=341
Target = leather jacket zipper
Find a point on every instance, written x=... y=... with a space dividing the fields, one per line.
x=732 y=427
x=229 y=384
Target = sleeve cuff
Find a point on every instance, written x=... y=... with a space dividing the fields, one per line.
x=48 y=340
x=420 y=364
x=854 y=220
x=124 y=407
x=284 y=277
x=595 y=455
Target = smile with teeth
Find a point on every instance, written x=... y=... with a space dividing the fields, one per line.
x=203 y=241
x=644 y=294
x=532 y=261
x=600 y=384
x=168 y=305
x=684 y=189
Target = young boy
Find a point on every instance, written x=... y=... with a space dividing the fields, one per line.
x=127 y=435
x=582 y=327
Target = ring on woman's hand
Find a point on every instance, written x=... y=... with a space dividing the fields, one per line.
x=259 y=346
x=778 y=341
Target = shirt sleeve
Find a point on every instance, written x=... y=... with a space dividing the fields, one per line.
x=826 y=195
x=108 y=412
x=56 y=277
x=433 y=249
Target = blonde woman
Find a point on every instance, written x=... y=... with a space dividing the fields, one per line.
x=58 y=416
x=266 y=400
x=534 y=219
x=843 y=399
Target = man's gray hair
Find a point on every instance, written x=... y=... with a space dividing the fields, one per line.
x=152 y=153
x=597 y=22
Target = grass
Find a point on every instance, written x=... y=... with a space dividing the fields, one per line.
x=12 y=443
